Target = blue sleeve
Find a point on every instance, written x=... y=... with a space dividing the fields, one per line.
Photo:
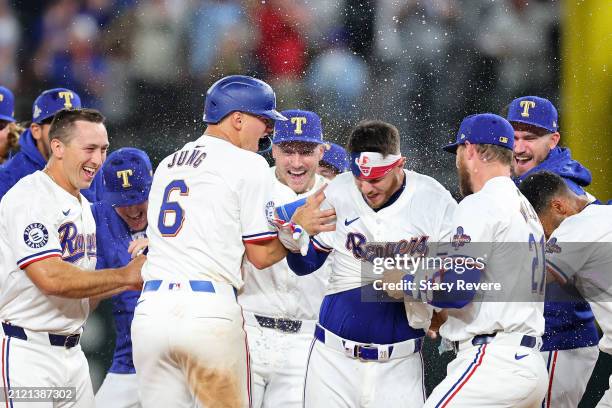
x=285 y=212
x=304 y=265
x=457 y=296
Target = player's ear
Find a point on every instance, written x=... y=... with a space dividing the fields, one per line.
x=236 y=119
x=319 y=152
x=57 y=148
x=554 y=140
x=275 y=151
x=558 y=206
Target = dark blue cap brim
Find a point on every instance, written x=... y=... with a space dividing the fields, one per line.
x=526 y=122
x=297 y=139
x=7 y=118
x=452 y=148
x=125 y=198
x=273 y=114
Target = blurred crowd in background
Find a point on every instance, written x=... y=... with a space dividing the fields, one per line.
x=419 y=64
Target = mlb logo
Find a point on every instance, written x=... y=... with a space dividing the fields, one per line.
x=174 y=286
x=503 y=139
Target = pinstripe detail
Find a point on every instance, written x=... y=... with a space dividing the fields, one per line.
x=450 y=394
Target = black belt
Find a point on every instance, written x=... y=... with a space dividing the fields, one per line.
x=284 y=325
x=526 y=341
x=17 y=332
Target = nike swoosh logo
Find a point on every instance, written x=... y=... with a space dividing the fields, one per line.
x=347 y=222
x=66 y=212
x=517 y=357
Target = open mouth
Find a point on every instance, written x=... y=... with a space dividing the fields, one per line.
x=296 y=175
x=522 y=161
x=90 y=172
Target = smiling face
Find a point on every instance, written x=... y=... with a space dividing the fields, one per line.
x=531 y=146
x=297 y=163
x=377 y=192
x=135 y=216
x=82 y=154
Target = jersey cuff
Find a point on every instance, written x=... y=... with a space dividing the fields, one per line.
x=260 y=237
x=319 y=246
x=30 y=259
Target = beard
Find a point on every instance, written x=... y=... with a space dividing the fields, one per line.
x=465 y=184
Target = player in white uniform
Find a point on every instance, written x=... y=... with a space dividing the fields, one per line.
x=207 y=209
x=48 y=247
x=365 y=353
x=569 y=344
x=281 y=308
x=498 y=362
x=579 y=248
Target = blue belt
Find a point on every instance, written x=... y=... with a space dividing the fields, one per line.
x=17 y=332
x=366 y=352
x=196 y=286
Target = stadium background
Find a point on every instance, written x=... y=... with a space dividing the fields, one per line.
x=421 y=65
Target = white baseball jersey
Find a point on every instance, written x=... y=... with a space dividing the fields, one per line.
x=205 y=201
x=358 y=226
x=277 y=291
x=505 y=227
x=580 y=250
x=52 y=223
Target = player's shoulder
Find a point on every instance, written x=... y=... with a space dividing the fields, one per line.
x=340 y=186
x=30 y=186
x=590 y=224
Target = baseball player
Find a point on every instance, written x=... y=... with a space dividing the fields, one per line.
x=570 y=339
x=48 y=255
x=121 y=220
x=497 y=343
x=578 y=248
x=9 y=129
x=334 y=161
x=208 y=208
x=279 y=307
x=365 y=353
x=34 y=143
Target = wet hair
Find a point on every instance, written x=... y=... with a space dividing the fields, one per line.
x=63 y=122
x=490 y=152
x=374 y=136
x=541 y=187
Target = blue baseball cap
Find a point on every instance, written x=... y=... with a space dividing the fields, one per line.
x=52 y=101
x=128 y=175
x=336 y=156
x=300 y=126
x=7 y=105
x=484 y=128
x=535 y=111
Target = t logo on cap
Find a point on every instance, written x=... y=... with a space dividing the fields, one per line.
x=67 y=97
x=124 y=176
x=526 y=105
x=298 y=121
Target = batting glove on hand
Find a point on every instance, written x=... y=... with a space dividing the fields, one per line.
x=292 y=236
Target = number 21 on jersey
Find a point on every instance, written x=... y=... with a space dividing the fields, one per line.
x=171 y=214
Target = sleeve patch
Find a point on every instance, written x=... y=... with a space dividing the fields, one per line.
x=36 y=235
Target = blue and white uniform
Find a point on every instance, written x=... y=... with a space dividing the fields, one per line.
x=365 y=353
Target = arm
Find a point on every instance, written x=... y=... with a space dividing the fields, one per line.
x=304 y=265
x=264 y=254
x=55 y=277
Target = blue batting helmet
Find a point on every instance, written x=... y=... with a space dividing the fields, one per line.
x=240 y=93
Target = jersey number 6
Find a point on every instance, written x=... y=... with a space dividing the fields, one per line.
x=171 y=214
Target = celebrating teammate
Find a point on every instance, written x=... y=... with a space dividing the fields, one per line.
x=366 y=352
x=121 y=220
x=334 y=161
x=208 y=207
x=579 y=248
x=280 y=308
x=497 y=342
x=9 y=129
x=48 y=251
x=570 y=339
x=34 y=143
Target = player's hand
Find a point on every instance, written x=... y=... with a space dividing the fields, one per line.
x=138 y=246
x=132 y=272
x=437 y=320
x=394 y=277
x=311 y=218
